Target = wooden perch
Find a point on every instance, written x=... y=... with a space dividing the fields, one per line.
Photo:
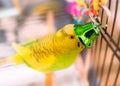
x=49 y=79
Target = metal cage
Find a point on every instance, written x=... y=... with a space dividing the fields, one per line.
x=105 y=52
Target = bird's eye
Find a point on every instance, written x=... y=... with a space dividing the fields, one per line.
x=71 y=37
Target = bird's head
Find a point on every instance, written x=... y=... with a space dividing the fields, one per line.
x=68 y=39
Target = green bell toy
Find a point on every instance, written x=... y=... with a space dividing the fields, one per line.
x=87 y=33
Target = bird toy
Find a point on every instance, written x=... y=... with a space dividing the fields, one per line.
x=81 y=10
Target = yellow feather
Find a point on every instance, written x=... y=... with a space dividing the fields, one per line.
x=17 y=58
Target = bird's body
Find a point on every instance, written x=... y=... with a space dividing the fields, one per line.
x=51 y=52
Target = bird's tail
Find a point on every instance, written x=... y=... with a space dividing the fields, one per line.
x=11 y=61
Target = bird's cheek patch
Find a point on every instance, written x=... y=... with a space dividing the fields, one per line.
x=78 y=44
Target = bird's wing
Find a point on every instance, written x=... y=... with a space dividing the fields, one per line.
x=29 y=43
x=21 y=50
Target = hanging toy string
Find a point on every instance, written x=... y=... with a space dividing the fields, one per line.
x=81 y=10
x=78 y=10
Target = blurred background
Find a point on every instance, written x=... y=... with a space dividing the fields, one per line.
x=23 y=20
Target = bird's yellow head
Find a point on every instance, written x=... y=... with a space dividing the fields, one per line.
x=68 y=39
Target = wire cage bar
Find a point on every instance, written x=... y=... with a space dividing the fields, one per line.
x=105 y=52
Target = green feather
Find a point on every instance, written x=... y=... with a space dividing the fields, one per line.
x=30 y=43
